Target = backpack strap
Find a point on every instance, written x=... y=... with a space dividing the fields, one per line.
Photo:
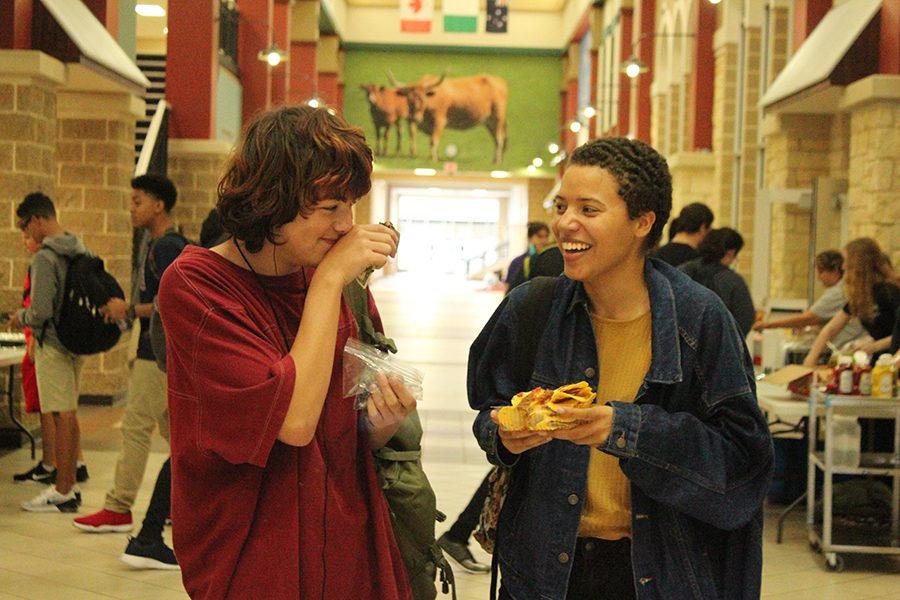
x=358 y=299
x=398 y=455
x=151 y=260
x=532 y=321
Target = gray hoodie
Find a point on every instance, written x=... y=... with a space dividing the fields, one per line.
x=48 y=279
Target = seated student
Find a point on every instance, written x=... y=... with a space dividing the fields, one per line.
x=274 y=492
x=659 y=486
x=686 y=232
x=718 y=251
x=829 y=271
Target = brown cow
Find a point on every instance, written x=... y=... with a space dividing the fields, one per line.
x=459 y=103
x=388 y=109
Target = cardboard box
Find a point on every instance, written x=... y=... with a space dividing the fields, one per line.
x=797 y=378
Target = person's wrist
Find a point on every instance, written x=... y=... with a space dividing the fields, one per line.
x=130 y=312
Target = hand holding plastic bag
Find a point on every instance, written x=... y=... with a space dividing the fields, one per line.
x=362 y=362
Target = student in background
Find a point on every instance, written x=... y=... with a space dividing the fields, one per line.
x=58 y=370
x=718 y=251
x=686 y=232
x=829 y=271
x=45 y=470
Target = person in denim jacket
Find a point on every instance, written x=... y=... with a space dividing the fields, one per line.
x=657 y=491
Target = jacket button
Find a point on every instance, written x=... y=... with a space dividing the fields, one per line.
x=590 y=372
x=563 y=558
x=573 y=499
x=621 y=443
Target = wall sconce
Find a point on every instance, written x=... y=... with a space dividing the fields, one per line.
x=575 y=126
x=272 y=55
x=633 y=66
x=553 y=147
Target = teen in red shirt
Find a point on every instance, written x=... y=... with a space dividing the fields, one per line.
x=274 y=493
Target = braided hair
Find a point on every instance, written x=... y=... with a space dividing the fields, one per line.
x=645 y=183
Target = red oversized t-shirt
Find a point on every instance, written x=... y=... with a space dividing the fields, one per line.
x=253 y=517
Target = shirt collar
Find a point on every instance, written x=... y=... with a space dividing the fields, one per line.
x=665 y=364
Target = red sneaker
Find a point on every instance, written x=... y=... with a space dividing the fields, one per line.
x=105 y=521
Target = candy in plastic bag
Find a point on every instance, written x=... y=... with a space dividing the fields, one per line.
x=362 y=362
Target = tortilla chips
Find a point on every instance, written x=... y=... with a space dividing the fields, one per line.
x=536 y=410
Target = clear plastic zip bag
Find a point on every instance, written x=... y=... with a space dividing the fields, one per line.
x=361 y=363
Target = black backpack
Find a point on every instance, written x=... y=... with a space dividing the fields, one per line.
x=80 y=327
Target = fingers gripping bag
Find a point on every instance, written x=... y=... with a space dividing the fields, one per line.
x=362 y=361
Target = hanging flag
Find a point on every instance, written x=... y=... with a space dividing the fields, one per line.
x=416 y=15
x=497 y=16
x=461 y=16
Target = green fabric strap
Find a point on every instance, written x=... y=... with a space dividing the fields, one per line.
x=398 y=456
x=358 y=299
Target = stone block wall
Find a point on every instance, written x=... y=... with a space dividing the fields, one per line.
x=798 y=149
x=195 y=166
x=724 y=109
x=27 y=154
x=693 y=178
x=874 y=182
x=749 y=152
x=95 y=164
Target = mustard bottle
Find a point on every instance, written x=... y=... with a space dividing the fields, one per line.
x=883 y=377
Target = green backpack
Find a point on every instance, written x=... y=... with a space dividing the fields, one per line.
x=409 y=495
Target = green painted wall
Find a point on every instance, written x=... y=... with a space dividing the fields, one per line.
x=127 y=27
x=533 y=109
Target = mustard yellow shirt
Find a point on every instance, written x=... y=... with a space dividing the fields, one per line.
x=624 y=352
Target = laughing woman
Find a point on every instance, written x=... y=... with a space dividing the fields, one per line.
x=274 y=493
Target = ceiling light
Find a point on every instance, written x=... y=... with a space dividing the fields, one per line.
x=532 y=169
x=150 y=10
x=714 y=2
x=499 y=174
x=425 y=172
x=165 y=31
x=589 y=112
x=553 y=147
x=314 y=102
x=634 y=67
x=537 y=162
x=332 y=112
x=575 y=126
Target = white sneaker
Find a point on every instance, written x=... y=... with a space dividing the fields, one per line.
x=51 y=500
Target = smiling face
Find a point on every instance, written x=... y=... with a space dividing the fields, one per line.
x=592 y=225
x=308 y=238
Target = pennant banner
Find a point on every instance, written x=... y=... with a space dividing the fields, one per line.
x=460 y=16
x=497 y=16
x=416 y=15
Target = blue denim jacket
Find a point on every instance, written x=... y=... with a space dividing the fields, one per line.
x=694 y=445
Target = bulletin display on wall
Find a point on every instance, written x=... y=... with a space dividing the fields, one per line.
x=478 y=112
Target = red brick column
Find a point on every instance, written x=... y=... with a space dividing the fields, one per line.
x=191 y=68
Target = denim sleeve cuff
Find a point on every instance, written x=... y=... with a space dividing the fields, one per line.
x=623 y=436
x=496 y=453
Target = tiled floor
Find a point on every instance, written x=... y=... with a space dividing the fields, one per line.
x=43 y=557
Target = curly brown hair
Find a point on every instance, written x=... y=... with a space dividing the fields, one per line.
x=289 y=159
x=865 y=266
x=642 y=173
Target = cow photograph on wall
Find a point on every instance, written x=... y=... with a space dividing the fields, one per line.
x=434 y=109
x=436 y=103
